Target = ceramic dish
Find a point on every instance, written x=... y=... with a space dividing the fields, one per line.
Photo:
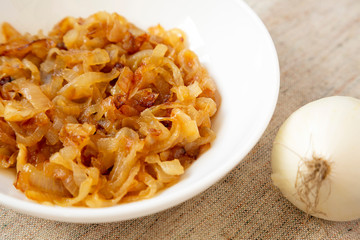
x=239 y=54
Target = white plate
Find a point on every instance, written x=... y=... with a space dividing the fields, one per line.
x=238 y=52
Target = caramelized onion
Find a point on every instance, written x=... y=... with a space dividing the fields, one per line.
x=100 y=112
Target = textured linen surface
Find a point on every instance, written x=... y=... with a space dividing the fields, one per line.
x=318 y=44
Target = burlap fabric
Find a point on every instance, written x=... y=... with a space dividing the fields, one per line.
x=318 y=44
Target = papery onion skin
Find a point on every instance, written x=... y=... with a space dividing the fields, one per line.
x=326 y=129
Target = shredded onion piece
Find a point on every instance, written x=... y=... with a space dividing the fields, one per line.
x=33 y=94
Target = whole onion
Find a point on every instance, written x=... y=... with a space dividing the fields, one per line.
x=316 y=158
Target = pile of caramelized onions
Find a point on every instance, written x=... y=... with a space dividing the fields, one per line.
x=100 y=112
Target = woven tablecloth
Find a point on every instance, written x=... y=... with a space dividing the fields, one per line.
x=318 y=43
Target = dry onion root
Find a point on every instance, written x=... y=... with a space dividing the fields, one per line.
x=100 y=112
x=316 y=158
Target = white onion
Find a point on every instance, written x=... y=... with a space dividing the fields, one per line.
x=316 y=158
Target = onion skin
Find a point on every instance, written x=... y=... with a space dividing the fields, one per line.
x=328 y=129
